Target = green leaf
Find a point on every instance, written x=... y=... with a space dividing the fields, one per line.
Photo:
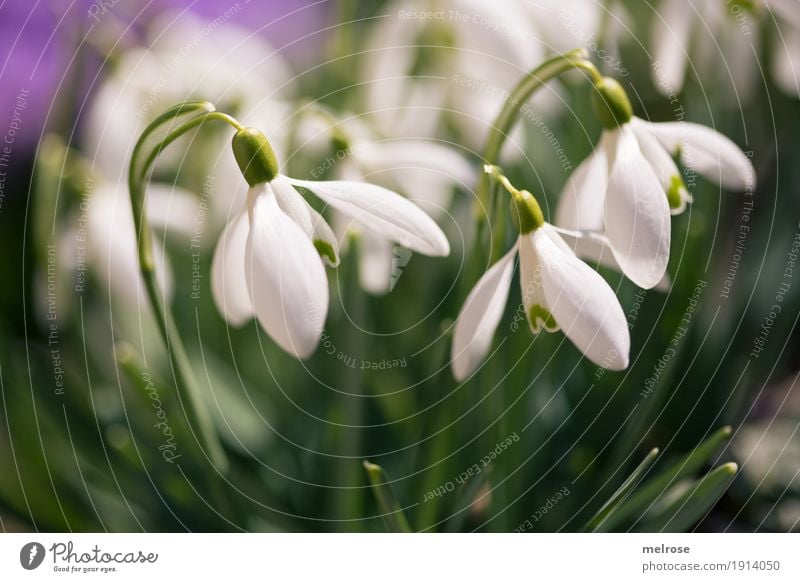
x=393 y=514
x=622 y=493
x=649 y=492
x=688 y=508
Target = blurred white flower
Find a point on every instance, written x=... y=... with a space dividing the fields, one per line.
x=111 y=247
x=626 y=187
x=425 y=171
x=559 y=291
x=182 y=58
x=720 y=36
x=428 y=60
x=268 y=260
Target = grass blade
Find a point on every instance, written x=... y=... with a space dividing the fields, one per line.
x=688 y=508
x=649 y=492
x=392 y=512
x=621 y=493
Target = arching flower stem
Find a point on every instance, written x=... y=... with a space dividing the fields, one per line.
x=188 y=390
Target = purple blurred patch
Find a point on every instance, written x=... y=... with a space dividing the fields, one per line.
x=38 y=40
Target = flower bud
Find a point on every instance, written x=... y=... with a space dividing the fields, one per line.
x=255 y=156
x=526 y=214
x=611 y=103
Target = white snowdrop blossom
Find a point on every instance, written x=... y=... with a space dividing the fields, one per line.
x=424 y=171
x=722 y=36
x=559 y=291
x=269 y=259
x=628 y=187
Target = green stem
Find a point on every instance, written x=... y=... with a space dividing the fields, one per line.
x=186 y=383
x=547 y=71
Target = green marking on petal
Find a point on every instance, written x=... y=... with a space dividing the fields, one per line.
x=674 y=196
x=326 y=251
x=539 y=318
x=744 y=5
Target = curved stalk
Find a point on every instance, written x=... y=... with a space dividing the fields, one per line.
x=533 y=81
x=186 y=383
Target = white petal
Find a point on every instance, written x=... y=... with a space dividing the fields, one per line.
x=285 y=278
x=637 y=214
x=530 y=281
x=707 y=152
x=789 y=10
x=480 y=316
x=786 y=59
x=228 y=281
x=112 y=246
x=415 y=154
x=384 y=212
x=425 y=171
x=670 y=34
x=583 y=305
x=582 y=201
x=662 y=163
x=595 y=248
x=376 y=262
x=311 y=221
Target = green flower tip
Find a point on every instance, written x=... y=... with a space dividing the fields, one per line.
x=729 y=468
x=674 y=192
x=612 y=103
x=540 y=318
x=327 y=252
x=525 y=212
x=255 y=156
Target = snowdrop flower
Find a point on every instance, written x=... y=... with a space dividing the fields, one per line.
x=269 y=259
x=423 y=170
x=559 y=291
x=723 y=29
x=630 y=184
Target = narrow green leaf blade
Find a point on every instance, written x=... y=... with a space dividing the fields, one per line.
x=683 y=467
x=390 y=507
x=621 y=493
x=688 y=508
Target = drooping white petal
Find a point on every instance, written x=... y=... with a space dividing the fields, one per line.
x=480 y=316
x=789 y=10
x=582 y=202
x=637 y=214
x=384 y=212
x=311 y=221
x=707 y=152
x=285 y=277
x=595 y=248
x=228 y=280
x=532 y=290
x=583 y=304
x=670 y=34
x=663 y=165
